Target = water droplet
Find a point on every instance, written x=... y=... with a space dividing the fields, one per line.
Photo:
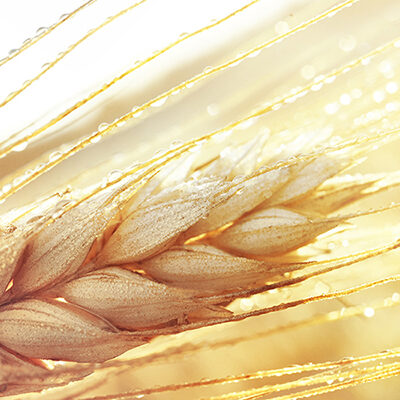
x=136 y=112
x=281 y=27
x=379 y=96
x=21 y=146
x=396 y=296
x=331 y=79
x=277 y=106
x=345 y=99
x=347 y=43
x=159 y=153
x=55 y=156
x=366 y=61
x=102 y=126
x=316 y=87
x=18 y=180
x=29 y=172
x=391 y=87
x=159 y=103
x=41 y=30
x=114 y=175
x=120 y=123
x=390 y=107
x=254 y=54
x=6 y=188
x=369 y=312
x=183 y=34
x=308 y=72
x=213 y=109
x=177 y=143
x=331 y=108
x=104 y=182
x=247 y=124
x=12 y=52
x=45 y=65
x=95 y=139
x=63 y=16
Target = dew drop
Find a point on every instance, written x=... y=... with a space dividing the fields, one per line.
x=391 y=87
x=277 y=106
x=20 y=147
x=12 y=52
x=379 y=96
x=308 y=72
x=316 y=87
x=41 y=30
x=213 y=109
x=55 y=156
x=95 y=139
x=63 y=16
x=281 y=27
x=366 y=61
x=18 y=180
x=120 y=123
x=347 y=43
x=330 y=79
x=246 y=124
x=254 y=54
x=102 y=126
x=6 y=188
x=369 y=312
x=395 y=295
x=177 y=143
x=114 y=175
x=159 y=103
x=136 y=112
x=331 y=108
x=345 y=99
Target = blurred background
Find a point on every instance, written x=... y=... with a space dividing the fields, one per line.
x=359 y=100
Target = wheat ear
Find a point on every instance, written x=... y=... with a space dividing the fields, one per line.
x=149 y=252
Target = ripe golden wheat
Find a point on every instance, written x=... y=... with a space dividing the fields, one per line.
x=186 y=239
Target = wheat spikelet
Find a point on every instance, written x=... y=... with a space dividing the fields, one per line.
x=193 y=237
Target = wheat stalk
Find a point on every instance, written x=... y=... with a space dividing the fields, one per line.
x=172 y=244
